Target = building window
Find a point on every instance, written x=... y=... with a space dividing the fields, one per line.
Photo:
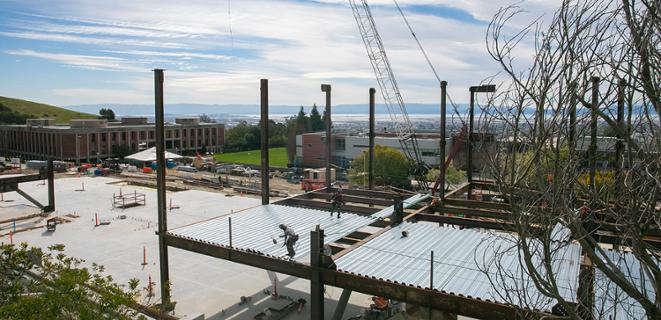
x=168 y=134
x=176 y=133
x=430 y=152
x=93 y=138
x=123 y=136
x=340 y=144
x=151 y=134
x=183 y=133
x=114 y=136
x=104 y=137
x=142 y=135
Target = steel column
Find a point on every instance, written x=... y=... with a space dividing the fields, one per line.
x=316 y=280
x=160 y=186
x=442 y=168
x=619 y=146
x=370 y=172
x=469 y=151
x=264 y=89
x=51 y=186
x=593 y=135
x=327 y=89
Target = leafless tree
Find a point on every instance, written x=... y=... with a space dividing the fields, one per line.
x=591 y=57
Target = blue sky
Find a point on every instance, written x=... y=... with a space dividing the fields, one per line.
x=70 y=52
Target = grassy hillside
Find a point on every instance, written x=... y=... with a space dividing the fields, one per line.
x=277 y=157
x=40 y=110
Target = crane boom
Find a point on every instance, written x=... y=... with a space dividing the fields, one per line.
x=389 y=89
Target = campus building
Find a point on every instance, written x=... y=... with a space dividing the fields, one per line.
x=310 y=147
x=92 y=139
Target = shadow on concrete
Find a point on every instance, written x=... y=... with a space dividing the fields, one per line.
x=261 y=301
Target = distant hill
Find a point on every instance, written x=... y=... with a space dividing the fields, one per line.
x=16 y=111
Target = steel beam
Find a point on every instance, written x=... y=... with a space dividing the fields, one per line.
x=23 y=178
x=472 y=223
x=477 y=204
x=458 y=191
x=370 y=193
x=160 y=188
x=298 y=202
x=252 y=259
x=329 y=132
x=341 y=304
x=350 y=198
x=480 y=213
x=29 y=198
x=370 y=172
x=264 y=91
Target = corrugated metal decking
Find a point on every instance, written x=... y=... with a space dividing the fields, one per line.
x=254 y=229
x=611 y=302
x=461 y=258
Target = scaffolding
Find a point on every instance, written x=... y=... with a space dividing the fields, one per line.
x=128 y=200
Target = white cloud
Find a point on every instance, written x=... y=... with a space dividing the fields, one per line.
x=295 y=44
x=82 y=61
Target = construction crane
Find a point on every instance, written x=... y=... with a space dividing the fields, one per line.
x=389 y=90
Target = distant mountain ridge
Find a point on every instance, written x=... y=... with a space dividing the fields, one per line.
x=247 y=109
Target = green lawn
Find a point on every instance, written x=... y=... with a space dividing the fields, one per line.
x=40 y=110
x=277 y=157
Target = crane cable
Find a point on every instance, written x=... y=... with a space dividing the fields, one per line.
x=417 y=41
x=424 y=53
x=229 y=20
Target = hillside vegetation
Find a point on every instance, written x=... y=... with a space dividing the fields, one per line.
x=15 y=111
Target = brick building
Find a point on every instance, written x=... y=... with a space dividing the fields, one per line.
x=90 y=139
x=310 y=147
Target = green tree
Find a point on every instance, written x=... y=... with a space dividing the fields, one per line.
x=49 y=285
x=242 y=137
x=302 y=122
x=390 y=168
x=204 y=118
x=107 y=114
x=316 y=121
x=9 y=116
x=452 y=175
x=121 y=150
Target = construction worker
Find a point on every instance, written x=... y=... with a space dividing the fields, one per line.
x=290 y=239
x=336 y=201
